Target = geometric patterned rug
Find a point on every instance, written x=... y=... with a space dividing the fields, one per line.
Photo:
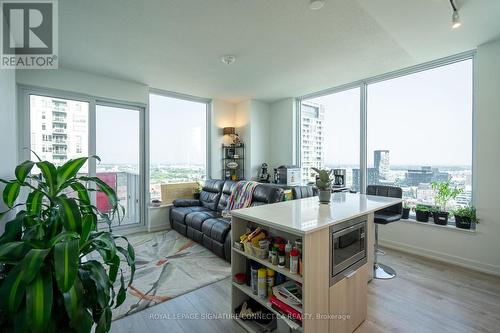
x=168 y=265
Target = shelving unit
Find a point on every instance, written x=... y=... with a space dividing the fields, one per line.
x=242 y=292
x=228 y=153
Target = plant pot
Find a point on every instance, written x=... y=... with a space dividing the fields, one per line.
x=406 y=213
x=196 y=195
x=422 y=215
x=462 y=222
x=325 y=196
x=440 y=217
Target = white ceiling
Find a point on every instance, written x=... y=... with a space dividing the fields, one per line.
x=283 y=49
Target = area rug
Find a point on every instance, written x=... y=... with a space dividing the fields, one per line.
x=168 y=265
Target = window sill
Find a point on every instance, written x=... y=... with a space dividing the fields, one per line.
x=161 y=206
x=447 y=227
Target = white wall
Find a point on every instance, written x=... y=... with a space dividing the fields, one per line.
x=282 y=133
x=8 y=132
x=223 y=115
x=85 y=83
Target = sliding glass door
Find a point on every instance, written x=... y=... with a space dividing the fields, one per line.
x=64 y=126
x=118 y=146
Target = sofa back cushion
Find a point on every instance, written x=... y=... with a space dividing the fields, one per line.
x=227 y=189
x=211 y=193
x=266 y=194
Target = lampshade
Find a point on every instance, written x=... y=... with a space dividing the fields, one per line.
x=228 y=130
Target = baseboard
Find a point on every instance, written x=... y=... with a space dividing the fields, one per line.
x=454 y=260
x=156 y=228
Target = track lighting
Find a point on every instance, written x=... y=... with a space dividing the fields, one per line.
x=455 y=18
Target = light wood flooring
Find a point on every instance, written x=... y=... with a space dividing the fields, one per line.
x=426 y=296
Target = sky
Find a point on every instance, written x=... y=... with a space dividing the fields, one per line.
x=423 y=119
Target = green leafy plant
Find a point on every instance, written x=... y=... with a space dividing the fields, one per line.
x=198 y=188
x=406 y=205
x=323 y=182
x=422 y=208
x=466 y=212
x=445 y=193
x=49 y=280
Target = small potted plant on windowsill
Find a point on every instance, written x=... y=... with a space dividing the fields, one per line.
x=422 y=212
x=444 y=193
x=197 y=190
x=464 y=217
x=324 y=184
x=406 y=210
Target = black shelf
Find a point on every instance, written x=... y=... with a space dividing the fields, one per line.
x=239 y=172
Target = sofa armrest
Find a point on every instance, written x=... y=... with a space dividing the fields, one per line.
x=186 y=202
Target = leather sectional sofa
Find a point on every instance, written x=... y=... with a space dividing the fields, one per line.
x=201 y=219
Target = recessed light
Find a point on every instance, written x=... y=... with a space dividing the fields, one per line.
x=316 y=4
x=228 y=59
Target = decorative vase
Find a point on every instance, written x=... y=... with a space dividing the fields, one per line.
x=324 y=196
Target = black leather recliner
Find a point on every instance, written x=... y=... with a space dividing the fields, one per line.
x=301 y=192
x=201 y=219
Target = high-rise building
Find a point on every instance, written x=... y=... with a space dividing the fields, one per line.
x=372 y=178
x=381 y=163
x=59 y=128
x=414 y=177
x=312 y=138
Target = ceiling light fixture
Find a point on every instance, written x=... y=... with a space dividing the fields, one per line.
x=455 y=18
x=228 y=59
x=316 y=4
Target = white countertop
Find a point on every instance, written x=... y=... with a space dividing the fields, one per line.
x=307 y=215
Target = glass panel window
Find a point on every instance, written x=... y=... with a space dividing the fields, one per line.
x=59 y=129
x=330 y=135
x=118 y=146
x=420 y=132
x=177 y=142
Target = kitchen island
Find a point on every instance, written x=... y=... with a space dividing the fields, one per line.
x=334 y=304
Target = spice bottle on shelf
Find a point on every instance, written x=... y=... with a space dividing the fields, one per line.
x=253 y=277
x=294 y=261
x=270 y=282
x=262 y=283
x=288 y=248
x=281 y=256
x=274 y=259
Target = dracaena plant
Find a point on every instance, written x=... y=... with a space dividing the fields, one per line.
x=58 y=271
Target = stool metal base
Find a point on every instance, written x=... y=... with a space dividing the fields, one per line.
x=383 y=272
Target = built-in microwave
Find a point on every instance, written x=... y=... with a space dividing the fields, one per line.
x=348 y=241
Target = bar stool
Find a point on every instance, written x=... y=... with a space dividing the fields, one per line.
x=385 y=216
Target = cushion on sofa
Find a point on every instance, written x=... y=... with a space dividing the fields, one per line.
x=210 y=194
x=186 y=202
x=266 y=194
x=196 y=219
x=179 y=213
x=216 y=229
x=226 y=193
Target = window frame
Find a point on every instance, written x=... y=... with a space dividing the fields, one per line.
x=363 y=85
x=208 y=115
x=24 y=136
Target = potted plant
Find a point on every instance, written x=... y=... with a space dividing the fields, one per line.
x=197 y=190
x=422 y=213
x=465 y=216
x=406 y=210
x=51 y=279
x=444 y=193
x=324 y=184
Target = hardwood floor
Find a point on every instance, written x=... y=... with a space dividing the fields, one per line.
x=426 y=296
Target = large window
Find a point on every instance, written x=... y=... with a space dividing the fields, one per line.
x=330 y=134
x=178 y=141
x=62 y=129
x=420 y=131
